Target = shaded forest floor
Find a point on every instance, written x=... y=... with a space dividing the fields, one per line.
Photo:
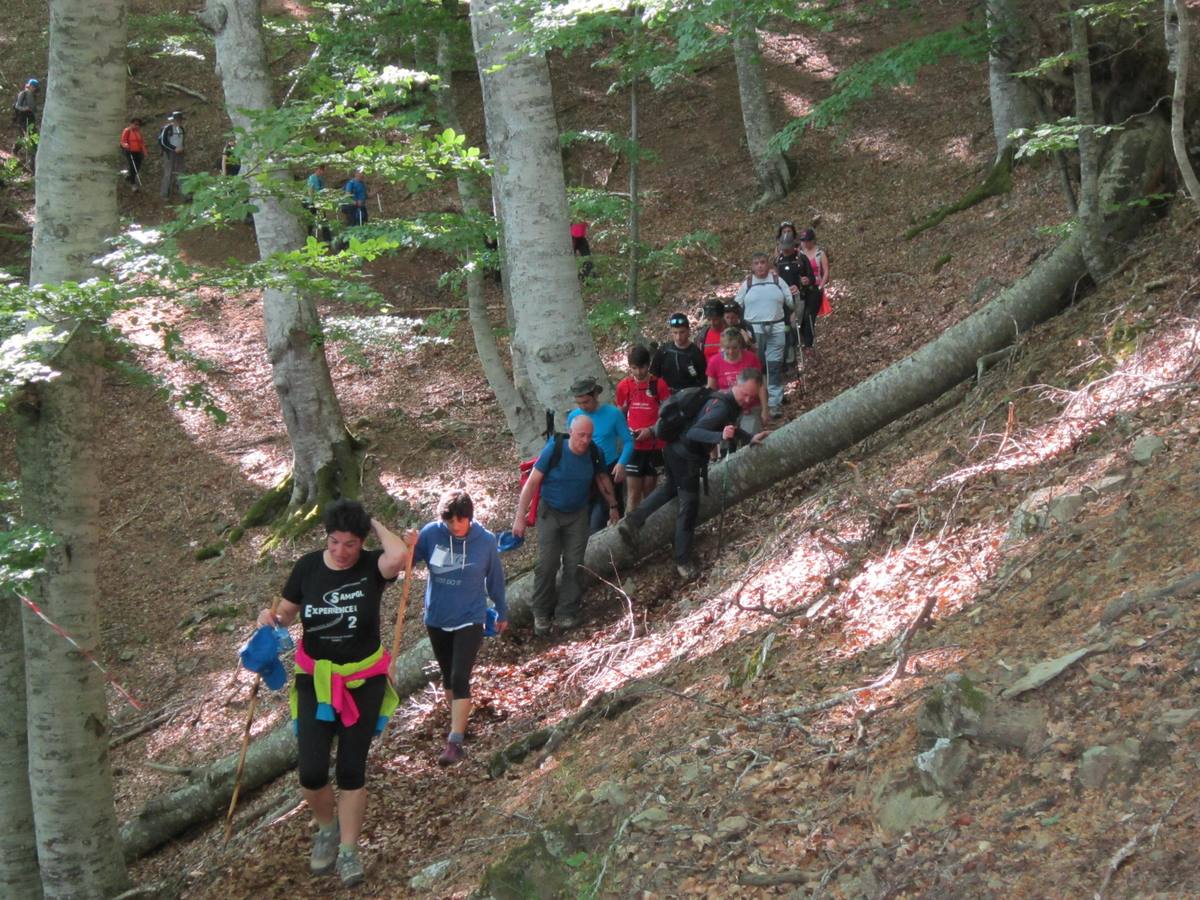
x=1014 y=506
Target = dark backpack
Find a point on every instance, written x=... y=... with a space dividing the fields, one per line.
x=526 y=468
x=679 y=411
x=163 y=141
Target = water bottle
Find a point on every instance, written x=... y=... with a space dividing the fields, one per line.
x=489 y=626
x=283 y=639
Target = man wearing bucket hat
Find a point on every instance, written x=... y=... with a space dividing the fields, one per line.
x=171 y=142
x=611 y=435
x=465 y=572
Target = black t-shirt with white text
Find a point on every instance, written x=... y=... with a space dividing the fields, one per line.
x=339 y=608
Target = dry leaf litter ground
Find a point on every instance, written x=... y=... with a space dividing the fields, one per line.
x=725 y=771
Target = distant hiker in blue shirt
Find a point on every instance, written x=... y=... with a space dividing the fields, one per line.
x=355 y=213
x=612 y=436
x=315 y=185
x=464 y=574
x=564 y=473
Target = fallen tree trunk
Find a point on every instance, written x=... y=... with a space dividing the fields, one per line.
x=206 y=794
x=822 y=433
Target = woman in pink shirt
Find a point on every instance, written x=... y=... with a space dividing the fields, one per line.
x=723 y=372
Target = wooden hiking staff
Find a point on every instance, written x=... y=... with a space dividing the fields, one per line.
x=400 y=612
x=241 y=766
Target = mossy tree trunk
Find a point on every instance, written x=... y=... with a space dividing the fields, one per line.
x=326 y=462
x=771 y=168
x=1011 y=100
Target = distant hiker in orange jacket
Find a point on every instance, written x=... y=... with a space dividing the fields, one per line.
x=133 y=146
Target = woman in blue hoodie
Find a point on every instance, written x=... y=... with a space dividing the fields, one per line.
x=464 y=573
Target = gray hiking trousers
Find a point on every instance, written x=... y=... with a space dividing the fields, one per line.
x=562 y=537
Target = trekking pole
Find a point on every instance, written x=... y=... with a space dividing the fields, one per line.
x=408 y=563
x=724 y=455
x=241 y=766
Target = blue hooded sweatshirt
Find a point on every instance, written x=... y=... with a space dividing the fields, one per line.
x=463 y=574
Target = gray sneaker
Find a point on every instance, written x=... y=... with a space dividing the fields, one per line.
x=541 y=626
x=349 y=867
x=324 y=850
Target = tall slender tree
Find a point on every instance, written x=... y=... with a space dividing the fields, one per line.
x=70 y=778
x=522 y=134
x=325 y=458
x=770 y=165
x=19 y=875
x=1011 y=100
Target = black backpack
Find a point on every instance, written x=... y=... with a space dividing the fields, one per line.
x=679 y=411
x=163 y=142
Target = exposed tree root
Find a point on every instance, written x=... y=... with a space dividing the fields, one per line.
x=999 y=181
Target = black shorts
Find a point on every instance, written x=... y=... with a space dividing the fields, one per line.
x=644 y=464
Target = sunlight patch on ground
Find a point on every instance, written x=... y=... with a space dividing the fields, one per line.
x=959 y=148
x=1153 y=370
x=800 y=51
x=423 y=493
x=883 y=145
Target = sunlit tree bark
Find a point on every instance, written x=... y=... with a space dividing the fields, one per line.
x=770 y=166
x=70 y=779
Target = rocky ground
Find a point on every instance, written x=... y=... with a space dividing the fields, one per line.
x=955 y=661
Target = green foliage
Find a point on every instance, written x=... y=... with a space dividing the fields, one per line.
x=616 y=143
x=614 y=317
x=23 y=549
x=889 y=68
x=1051 y=137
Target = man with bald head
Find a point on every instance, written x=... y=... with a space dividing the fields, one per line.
x=565 y=471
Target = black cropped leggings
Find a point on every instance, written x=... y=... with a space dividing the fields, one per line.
x=316 y=737
x=456 y=651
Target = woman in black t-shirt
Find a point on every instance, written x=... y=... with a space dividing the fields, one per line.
x=341 y=684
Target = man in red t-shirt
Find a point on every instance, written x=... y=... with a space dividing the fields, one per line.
x=639 y=396
x=723 y=371
x=709 y=339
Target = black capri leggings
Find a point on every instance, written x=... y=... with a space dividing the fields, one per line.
x=316 y=737
x=456 y=651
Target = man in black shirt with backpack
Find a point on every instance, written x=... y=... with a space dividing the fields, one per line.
x=680 y=363
x=692 y=422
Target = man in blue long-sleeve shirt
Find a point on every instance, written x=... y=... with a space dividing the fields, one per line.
x=612 y=436
x=355 y=212
x=685 y=460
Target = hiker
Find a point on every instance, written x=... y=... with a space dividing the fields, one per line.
x=355 y=212
x=579 y=246
x=733 y=319
x=794 y=269
x=785 y=229
x=230 y=164
x=723 y=372
x=565 y=471
x=464 y=574
x=133 y=147
x=686 y=461
x=25 y=109
x=710 y=337
x=640 y=395
x=611 y=434
x=315 y=184
x=171 y=142
x=765 y=298
x=818 y=261
x=341 y=688
x=680 y=363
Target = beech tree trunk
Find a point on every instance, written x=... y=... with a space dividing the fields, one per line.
x=635 y=200
x=518 y=414
x=1177 y=26
x=770 y=166
x=69 y=775
x=541 y=274
x=1136 y=159
x=19 y=876
x=1012 y=105
x=1096 y=249
x=325 y=459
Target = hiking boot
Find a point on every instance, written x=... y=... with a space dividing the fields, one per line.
x=628 y=531
x=541 y=626
x=453 y=754
x=324 y=850
x=688 y=571
x=349 y=867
